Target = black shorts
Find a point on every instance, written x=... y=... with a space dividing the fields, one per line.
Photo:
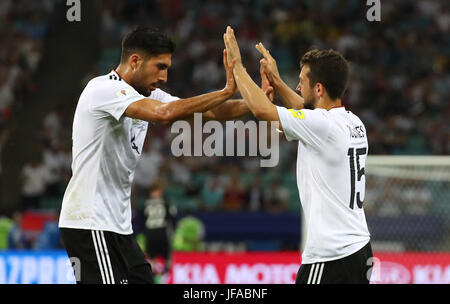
x=353 y=269
x=157 y=244
x=104 y=257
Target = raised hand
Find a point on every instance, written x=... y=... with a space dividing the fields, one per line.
x=254 y=97
x=231 y=86
x=265 y=84
x=268 y=63
x=232 y=46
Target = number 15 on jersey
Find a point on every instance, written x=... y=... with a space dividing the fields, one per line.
x=356 y=173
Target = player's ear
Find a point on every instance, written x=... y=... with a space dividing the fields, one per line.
x=320 y=89
x=133 y=61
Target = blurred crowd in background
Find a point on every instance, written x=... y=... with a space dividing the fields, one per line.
x=398 y=87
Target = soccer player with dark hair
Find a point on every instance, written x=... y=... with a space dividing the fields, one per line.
x=109 y=129
x=332 y=149
x=160 y=218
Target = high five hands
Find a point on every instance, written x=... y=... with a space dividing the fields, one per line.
x=230 y=86
x=232 y=47
x=268 y=64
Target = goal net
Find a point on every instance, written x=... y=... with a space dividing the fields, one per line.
x=407 y=202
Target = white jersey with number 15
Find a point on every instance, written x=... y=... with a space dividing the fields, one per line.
x=332 y=150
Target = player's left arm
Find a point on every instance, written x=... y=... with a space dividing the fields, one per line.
x=257 y=101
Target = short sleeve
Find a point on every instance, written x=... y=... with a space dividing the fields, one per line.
x=309 y=126
x=162 y=96
x=113 y=98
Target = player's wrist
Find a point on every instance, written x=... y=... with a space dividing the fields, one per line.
x=238 y=64
x=277 y=82
x=227 y=92
x=238 y=68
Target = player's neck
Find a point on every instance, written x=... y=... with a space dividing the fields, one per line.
x=328 y=104
x=124 y=72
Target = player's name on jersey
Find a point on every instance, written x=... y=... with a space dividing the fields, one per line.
x=357 y=132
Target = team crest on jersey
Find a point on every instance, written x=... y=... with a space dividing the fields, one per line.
x=124 y=92
x=297 y=113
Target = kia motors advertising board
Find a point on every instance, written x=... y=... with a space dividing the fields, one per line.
x=281 y=268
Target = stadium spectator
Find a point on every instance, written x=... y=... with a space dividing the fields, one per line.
x=189 y=235
x=255 y=200
x=235 y=196
x=52 y=126
x=17 y=238
x=24 y=27
x=57 y=161
x=3 y=138
x=48 y=238
x=35 y=176
x=179 y=171
x=276 y=197
x=5 y=227
x=212 y=195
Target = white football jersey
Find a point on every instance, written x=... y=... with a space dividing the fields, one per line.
x=332 y=150
x=106 y=148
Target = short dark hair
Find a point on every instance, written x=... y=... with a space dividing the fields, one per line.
x=329 y=68
x=157 y=185
x=147 y=41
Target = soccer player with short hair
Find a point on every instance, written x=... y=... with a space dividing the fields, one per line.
x=332 y=149
x=109 y=129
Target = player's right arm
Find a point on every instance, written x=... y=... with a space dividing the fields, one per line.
x=289 y=97
x=152 y=110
